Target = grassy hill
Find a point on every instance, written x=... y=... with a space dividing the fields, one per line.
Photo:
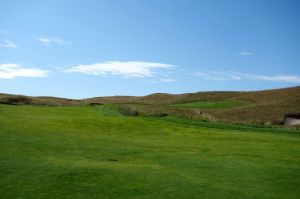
x=41 y=101
x=95 y=152
x=255 y=107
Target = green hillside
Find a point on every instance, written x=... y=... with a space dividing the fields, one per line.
x=95 y=152
x=254 y=108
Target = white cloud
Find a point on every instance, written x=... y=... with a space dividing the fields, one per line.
x=219 y=76
x=49 y=40
x=125 y=69
x=11 y=71
x=235 y=76
x=245 y=53
x=209 y=76
x=167 y=80
x=277 y=78
x=8 y=44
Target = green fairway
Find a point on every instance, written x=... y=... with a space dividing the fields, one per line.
x=213 y=105
x=94 y=152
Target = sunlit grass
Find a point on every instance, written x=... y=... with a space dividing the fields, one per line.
x=95 y=152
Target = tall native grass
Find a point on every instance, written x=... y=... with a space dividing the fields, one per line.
x=128 y=110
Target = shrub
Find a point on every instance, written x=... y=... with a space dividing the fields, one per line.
x=95 y=104
x=256 y=123
x=205 y=117
x=19 y=100
x=157 y=112
x=268 y=124
x=128 y=109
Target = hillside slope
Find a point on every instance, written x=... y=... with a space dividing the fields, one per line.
x=267 y=106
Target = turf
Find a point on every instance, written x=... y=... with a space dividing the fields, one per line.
x=213 y=104
x=94 y=152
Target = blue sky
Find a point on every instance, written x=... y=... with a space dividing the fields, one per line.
x=88 y=48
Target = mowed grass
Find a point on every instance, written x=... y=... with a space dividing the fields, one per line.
x=87 y=152
x=213 y=104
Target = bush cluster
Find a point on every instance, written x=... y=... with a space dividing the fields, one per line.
x=205 y=117
x=19 y=100
x=156 y=112
x=129 y=110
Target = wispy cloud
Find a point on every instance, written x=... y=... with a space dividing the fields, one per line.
x=277 y=78
x=50 y=40
x=11 y=71
x=246 y=53
x=167 y=80
x=119 y=68
x=227 y=76
x=8 y=44
x=219 y=76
